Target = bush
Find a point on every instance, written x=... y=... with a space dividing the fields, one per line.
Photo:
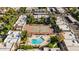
x=31 y=19
x=24 y=34
x=22 y=10
x=1 y=40
x=25 y=47
x=50 y=45
x=54 y=40
x=10 y=11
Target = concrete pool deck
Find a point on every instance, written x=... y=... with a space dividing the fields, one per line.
x=46 y=38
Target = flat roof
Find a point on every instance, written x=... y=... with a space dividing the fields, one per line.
x=4 y=49
x=61 y=10
x=13 y=37
x=39 y=16
x=38 y=29
x=62 y=24
x=69 y=35
x=71 y=42
x=73 y=48
x=71 y=18
x=64 y=27
x=21 y=20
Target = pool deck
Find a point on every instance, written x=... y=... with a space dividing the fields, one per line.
x=46 y=38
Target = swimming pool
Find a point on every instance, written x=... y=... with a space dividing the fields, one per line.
x=37 y=41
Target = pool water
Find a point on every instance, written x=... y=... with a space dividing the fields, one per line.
x=37 y=41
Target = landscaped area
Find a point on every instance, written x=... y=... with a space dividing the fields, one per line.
x=38 y=40
x=8 y=19
x=40 y=32
x=34 y=29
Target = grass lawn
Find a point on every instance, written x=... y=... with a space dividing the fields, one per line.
x=50 y=45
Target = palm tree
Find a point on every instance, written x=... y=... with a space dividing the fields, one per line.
x=24 y=33
x=42 y=21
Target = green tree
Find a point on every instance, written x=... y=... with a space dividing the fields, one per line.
x=50 y=45
x=53 y=42
x=11 y=11
x=24 y=34
x=53 y=20
x=72 y=9
x=42 y=21
x=54 y=39
x=30 y=19
x=22 y=10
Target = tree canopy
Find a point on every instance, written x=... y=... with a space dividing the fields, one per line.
x=22 y=10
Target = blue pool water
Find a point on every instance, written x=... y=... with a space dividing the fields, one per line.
x=37 y=41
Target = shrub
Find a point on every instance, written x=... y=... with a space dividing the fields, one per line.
x=50 y=45
x=54 y=39
x=25 y=47
x=53 y=43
